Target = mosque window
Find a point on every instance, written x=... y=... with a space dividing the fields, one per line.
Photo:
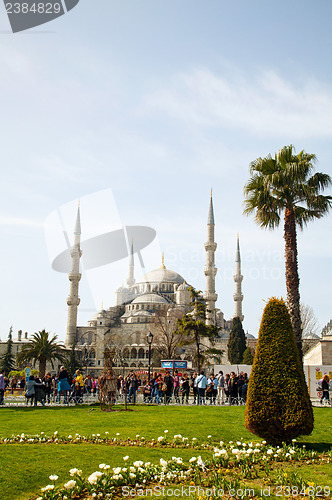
x=125 y=352
x=141 y=353
x=133 y=353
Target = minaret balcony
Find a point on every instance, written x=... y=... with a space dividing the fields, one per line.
x=76 y=252
x=210 y=246
x=210 y=296
x=74 y=276
x=210 y=271
x=238 y=296
x=72 y=301
x=238 y=278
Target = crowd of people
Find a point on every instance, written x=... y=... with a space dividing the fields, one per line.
x=166 y=388
x=161 y=388
x=51 y=388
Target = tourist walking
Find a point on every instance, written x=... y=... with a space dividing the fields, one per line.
x=185 y=388
x=194 y=387
x=2 y=387
x=31 y=391
x=176 y=386
x=221 y=388
x=133 y=384
x=168 y=384
x=48 y=388
x=233 y=389
x=63 y=385
x=201 y=386
x=325 y=389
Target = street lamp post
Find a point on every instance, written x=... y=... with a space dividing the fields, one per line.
x=149 y=339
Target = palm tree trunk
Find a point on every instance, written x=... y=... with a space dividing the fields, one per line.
x=42 y=368
x=292 y=277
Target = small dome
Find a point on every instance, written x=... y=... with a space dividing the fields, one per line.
x=161 y=276
x=149 y=298
x=142 y=313
x=249 y=336
x=183 y=287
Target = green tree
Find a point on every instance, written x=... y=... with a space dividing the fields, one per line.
x=286 y=183
x=8 y=359
x=41 y=349
x=195 y=333
x=278 y=404
x=247 y=357
x=72 y=360
x=236 y=343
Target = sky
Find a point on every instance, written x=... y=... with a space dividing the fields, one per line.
x=138 y=108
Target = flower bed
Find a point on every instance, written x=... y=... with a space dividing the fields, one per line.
x=235 y=470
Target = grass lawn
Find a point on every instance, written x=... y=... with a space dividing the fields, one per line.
x=26 y=467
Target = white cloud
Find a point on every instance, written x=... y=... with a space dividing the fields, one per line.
x=268 y=105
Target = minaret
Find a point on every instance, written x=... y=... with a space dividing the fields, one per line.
x=131 y=279
x=238 y=296
x=74 y=278
x=210 y=270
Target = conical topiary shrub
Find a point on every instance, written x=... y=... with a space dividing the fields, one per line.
x=278 y=404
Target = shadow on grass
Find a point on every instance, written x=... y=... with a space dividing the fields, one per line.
x=319 y=447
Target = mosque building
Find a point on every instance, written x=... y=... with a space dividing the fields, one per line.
x=162 y=292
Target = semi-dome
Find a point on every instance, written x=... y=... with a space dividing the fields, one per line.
x=161 y=276
x=149 y=298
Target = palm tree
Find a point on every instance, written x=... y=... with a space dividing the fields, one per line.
x=42 y=349
x=286 y=183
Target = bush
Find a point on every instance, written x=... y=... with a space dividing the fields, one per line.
x=247 y=357
x=278 y=404
x=236 y=343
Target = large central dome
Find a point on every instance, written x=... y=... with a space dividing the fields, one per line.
x=161 y=275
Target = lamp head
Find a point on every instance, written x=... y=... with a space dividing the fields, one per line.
x=149 y=338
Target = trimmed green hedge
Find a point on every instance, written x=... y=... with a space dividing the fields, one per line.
x=278 y=404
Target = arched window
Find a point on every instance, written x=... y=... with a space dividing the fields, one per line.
x=133 y=365
x=141 y=353
x=125 y=352
x=133 y=353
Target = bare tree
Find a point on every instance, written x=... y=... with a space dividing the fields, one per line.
x=309 y=326
x=167 y=339
x=309 y=320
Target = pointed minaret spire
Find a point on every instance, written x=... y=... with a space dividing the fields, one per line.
x=74 y=278
x=238 y=296
x=162 y=266
x=131 y=279
x=211 y=214
x=210 y=270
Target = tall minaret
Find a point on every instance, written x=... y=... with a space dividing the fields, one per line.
x=210 y=270
x=131 y=279
x=74 y=278
x=238 y=296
